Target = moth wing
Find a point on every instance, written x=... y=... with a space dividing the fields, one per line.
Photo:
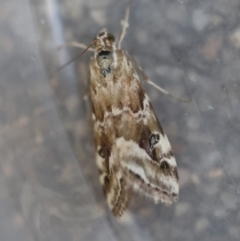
x=143 y=162
x=133 y=152
x=111 y=176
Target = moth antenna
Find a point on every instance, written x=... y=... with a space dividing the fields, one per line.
x=72 y=60
x=165 y=91
x=145 y=77
x=77 y=45
x=125 y=25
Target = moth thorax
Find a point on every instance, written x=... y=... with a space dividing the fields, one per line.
x=104 y=60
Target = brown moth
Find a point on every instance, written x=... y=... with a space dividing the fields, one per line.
x=133 y=153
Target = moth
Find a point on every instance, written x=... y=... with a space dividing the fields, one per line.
x=133 y=153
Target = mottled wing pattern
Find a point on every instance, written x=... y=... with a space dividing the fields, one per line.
x=133 y=153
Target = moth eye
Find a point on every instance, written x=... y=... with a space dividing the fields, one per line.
x=110 y=37
x=101 y=34
x=154 y=139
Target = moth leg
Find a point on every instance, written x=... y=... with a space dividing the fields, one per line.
x=125 y=25
x=145 y=77
x=77 y=45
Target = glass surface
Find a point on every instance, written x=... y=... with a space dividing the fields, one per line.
x=49 y=187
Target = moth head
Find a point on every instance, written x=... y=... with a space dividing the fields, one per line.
x=104 y=40
x=105 y=46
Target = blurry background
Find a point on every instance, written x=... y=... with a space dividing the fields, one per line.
x=49 y=188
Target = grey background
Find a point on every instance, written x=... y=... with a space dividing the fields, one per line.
x=49 y=188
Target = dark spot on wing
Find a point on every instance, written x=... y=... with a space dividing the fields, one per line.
x=106 y=186
x=144 y=140
x=175 y=173
x=102 y=152
x=168 y=170
x=165 y=167
x=141 y=97
x=154 y=139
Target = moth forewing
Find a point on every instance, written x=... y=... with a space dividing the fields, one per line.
x=133 y=152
